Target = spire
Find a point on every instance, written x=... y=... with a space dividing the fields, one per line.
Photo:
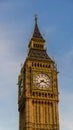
x=36 y=17
x=36 y=33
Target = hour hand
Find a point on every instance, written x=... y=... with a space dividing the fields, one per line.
x=42 y=81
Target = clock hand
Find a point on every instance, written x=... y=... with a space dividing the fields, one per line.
x=41 y=81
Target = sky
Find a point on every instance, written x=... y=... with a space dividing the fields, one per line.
x=55 y=21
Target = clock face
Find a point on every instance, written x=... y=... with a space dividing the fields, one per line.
x=41 y=81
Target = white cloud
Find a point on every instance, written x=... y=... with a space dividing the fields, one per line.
x=66 y=123
x=50 y=30
x=9 y=67
x=66 y=111
x=67 y=58
x=65 y=63
x=9 y=70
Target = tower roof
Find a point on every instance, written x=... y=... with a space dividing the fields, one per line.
x=36 y=33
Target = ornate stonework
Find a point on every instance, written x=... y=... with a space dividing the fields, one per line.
x=38 y=95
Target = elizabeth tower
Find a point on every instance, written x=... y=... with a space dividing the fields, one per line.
x=38 y=94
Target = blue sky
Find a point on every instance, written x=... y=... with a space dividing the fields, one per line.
x=55 y=20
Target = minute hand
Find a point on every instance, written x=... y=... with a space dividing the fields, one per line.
x=42 y=81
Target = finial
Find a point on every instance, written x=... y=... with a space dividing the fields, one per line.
x=36 y=16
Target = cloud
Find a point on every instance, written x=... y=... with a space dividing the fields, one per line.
x=9 y=70
x=50 y=30
x=66 y=72
x=67 y=58
x=66 y=112
x=66 y=123
x=9 y=66
x=65 y=62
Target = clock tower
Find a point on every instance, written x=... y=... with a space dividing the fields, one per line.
x=38 y=94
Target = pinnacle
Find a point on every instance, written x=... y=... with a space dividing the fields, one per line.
x=36 y=33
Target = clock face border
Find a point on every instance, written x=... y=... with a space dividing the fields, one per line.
x=42 y=80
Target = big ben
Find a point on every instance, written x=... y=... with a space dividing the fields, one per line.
x=38 y=94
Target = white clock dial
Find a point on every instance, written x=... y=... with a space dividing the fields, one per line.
x=41 y=80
